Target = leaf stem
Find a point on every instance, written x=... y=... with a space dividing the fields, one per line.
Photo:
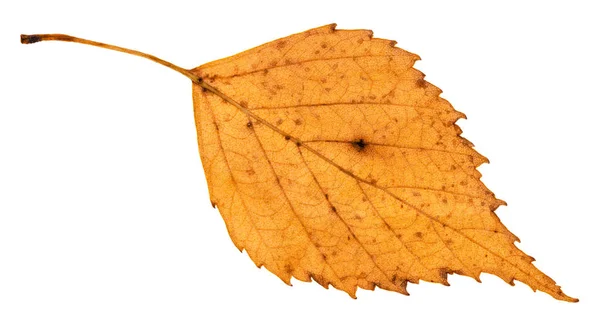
x=30 y=39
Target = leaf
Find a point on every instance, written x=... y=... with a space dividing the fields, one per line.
x=330 y=158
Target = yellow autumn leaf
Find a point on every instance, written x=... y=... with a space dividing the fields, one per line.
x=330 y=158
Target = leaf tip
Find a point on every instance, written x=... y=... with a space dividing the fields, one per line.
x=563 y=296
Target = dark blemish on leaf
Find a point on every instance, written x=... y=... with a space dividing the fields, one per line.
x=334 y=209
x=394 y=278
x=463 y=183
x=359 y=144
x=265 y=72
x=244 y=104
x=326 y=196
x=298 y=121
x=320 y=280
x=444 y=275
x=416 y=193
x=323 y=80
x=419 y=234
x=281 y=44
x=287 y=137
x=214 y=204
x=288 y=62
x=360 y=41
x=306 y=69
x=421 y=83
x=249 y=124
x=348 y=237
x=288 y=268
x=317 y=52
x=216 y=126
x=298 y=144
x=323 y=45
x=279 y=121
x=273 y=63
x=445 y=201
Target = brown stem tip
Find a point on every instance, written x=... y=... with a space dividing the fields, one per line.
x=30 y=39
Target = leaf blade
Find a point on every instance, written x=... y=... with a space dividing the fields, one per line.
x=328 y=158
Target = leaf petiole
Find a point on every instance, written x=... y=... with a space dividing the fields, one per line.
x=30 y=39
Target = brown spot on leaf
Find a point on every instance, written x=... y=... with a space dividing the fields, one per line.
x=359 y=144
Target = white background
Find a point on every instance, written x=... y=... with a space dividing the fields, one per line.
x=104 y=210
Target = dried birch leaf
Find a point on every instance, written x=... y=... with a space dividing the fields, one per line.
x=330 y=158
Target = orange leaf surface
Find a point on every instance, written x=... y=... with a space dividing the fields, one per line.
x=330 y=158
